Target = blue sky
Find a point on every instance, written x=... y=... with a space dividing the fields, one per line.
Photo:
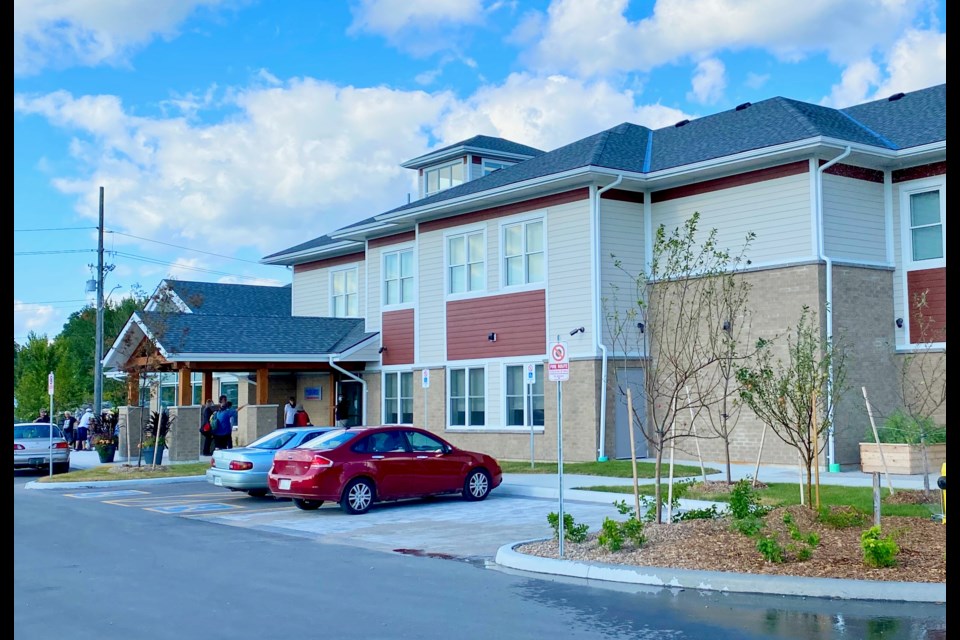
x=222 y=131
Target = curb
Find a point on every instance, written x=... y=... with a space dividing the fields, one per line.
x=832 y=588
x=96 y=484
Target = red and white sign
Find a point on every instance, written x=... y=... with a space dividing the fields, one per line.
x=559 y=365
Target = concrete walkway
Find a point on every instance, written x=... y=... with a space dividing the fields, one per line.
x=546 y=486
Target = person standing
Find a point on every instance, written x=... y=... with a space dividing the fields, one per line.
x=341 y=412
x=69 y=425
x=206 y=427
x=223 y=432
x=301 y=417
x=43 y=417
x=290 y=412
x=83 y=429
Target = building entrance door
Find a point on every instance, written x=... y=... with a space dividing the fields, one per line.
x=632 y=379
x=352 y=392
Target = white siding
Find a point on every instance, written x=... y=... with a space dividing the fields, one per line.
x=430 y=305
x=899 y=281
x=622 y=236
x=373 y=301
x=853 y=220
x=310 y=293
x=569 y=277
x=778 y=211
x=494 y=417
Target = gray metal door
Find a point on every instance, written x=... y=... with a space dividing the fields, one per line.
x=632 y=379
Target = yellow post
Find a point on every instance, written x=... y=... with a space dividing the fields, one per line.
x=942 y=483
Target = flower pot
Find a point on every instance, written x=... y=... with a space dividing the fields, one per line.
x=904 y=459
x=146 y=455
x=106 y=453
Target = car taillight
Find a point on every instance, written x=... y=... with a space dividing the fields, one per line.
x=237 y=465
x=61 y=445
x=212 y=462
x=18 y=447
x=321 y=462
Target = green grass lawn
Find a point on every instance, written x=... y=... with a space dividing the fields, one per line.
x=103 y=472
x=610 y=468
x=786 y=494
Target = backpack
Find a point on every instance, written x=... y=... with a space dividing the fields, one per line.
x=211 y=425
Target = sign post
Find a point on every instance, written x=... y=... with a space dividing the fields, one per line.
x=50 y=426
x=530 y=378
x=559 y=371
x=425 y=382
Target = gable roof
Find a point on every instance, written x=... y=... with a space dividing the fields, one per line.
x=479 y=144
x=216 y=298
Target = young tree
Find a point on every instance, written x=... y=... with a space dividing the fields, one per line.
x=34 y=362
x=796 y=398
x=668 y=321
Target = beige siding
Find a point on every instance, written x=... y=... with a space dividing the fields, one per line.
x=899 y=283
x=622 y=236
x=569 y=276
x=373 y=286
x=778 y=211
x=431 y=338
x=310 y=294
x=853 y=220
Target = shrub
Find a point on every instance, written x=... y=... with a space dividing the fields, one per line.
x=902 y=428
x=878 y=551
x=572 y=531
x=842 y=517
x=749 y=526
x=610 y=535
x=744 y=501
x=613 y=532
x=710 y=513
x=770 y=548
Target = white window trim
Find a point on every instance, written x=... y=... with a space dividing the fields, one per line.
x=503 y=387
x=501 y=254
x=426 y=170
x=343 y=269
x=486 y=395
x=446 y=262
x=907 y=263
x=383 y=394
x=397 y=249
x=484 y=162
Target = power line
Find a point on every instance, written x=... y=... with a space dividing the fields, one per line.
x=52 y=252
x=51 y=302
x=177 y=246
x=182 y=266
x=57 y=229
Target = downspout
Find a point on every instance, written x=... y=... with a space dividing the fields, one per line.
x=833 y=466
x=598 y=329
x=362 y=382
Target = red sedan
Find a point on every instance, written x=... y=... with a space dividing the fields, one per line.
x=362 y=465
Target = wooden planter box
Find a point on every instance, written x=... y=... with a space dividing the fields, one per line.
x=904 y=459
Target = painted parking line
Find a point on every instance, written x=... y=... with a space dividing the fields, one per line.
x=206 y=507
x=96 y=495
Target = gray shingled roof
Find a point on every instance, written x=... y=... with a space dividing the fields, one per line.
x=214 y=298
x=191 y=333
x=917 y=118
x=489 y=143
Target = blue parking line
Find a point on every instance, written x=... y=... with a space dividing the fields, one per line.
x=194 y=508
x=107 y=494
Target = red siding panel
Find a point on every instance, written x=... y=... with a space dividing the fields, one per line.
x=923 y=171
x=329 y=262
x=397 y=238
x=738 y=180
x=518 y=319
x=622 y=195
x=857 y=173
x=396 y=335
x=934 y=282
x=506 y=210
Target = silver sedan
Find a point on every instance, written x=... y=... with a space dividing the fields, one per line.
x=245 y=469
x=34 y=446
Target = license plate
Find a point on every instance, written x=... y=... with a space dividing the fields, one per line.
x=43 y=461
x=284 y=483
x=217 y=480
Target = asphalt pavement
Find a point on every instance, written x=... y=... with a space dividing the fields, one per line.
x=546 y=486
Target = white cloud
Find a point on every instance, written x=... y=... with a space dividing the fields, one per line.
x=32 y=317
x=593 y=37
x=708 y=82
x=756 y=80
x=916 y=61
x=66 y=33
x=419 y=27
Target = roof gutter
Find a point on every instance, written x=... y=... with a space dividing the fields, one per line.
x=597 y=329
x=363 y=383
x=831 y=451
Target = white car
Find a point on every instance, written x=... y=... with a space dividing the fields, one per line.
x=34 y=445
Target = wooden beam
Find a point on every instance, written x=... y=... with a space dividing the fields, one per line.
x=133 y=390
x=206 y=386
x=263 y=385
x=184 y=388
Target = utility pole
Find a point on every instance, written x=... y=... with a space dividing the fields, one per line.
x=98 y=365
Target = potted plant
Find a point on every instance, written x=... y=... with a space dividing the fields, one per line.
x=904 y=442
x=105 y=438
x=154 y=438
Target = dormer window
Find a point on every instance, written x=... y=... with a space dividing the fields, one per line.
x=437 y=179
x=489 y=166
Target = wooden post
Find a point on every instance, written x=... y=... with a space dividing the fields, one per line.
x=206 y=386
x=696 y=438
x=133 y=389
x=184 y=387
x=756 y=471
x=815 y=441
x=876 y=438
x=633 y=455
x=263 y=385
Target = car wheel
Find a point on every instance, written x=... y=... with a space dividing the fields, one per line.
x=476 y=486
x=307 y=505
x=257 y=493
x=61 y=467
x=357 y=497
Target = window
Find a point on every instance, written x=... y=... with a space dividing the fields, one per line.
x=344 y=296
x=489 y=166
x=467 y=402
x=465 y=263
x=398 y=277
x=440 y=178
x=229 y=389
x=398 y=397
x=168 y=395
x=518 y=393
x=523 y=253
x=926 y=230
x=196 y=397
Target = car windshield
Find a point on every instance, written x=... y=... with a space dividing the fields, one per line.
x=37 y=430
x=330 y=440
x=274 y=440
